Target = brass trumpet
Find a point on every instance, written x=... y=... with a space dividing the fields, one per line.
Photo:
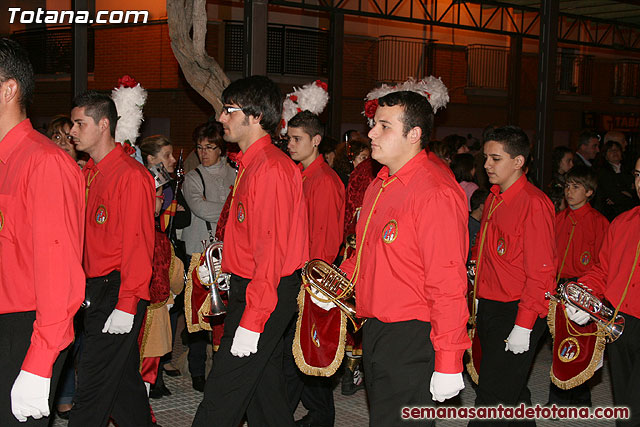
x=218 y=281
x=331 y=282
x=578 y=296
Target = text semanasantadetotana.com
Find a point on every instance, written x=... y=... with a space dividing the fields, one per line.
x=521 y=412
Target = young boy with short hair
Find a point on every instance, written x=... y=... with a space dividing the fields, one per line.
x=580 y=230
x=515 y=267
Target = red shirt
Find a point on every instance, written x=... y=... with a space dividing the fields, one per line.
x=609 y=276
x=324 y=199
x=41 y=234
x=266 y=233
x=412 y=264
x=588 y=234
x=119 y=224
x=519 y=254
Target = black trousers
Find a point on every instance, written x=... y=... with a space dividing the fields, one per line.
x=316 y=393
x=503 y=375
x=15 y=339
x=255 y=384
x=109 y=381
x=398 y=359
x=624 y=364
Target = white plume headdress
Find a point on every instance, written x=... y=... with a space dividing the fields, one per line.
x=311 y=97
x=129 y=98
x=430 y=87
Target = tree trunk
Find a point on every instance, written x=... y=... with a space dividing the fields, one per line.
x=201 y=71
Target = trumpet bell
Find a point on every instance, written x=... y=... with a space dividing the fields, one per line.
x=218 y=281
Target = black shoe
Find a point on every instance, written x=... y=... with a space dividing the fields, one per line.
x=352 y=381
x=307 y=421
x=171 y=372
x=198 y=383
x=157 y=392
x=63 y=414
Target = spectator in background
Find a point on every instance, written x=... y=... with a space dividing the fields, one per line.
x=588 y=148
x=443 y=150
x=328 y=148
x=58 y=131
x=561 y=163
x=615 y=184
x=458 y=143
x=475 y=215
x=463 y=167
x=351 y=155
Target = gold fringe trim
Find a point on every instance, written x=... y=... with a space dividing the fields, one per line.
x=188 y=291
x=297 y=349
x=354 y=351
x=145 y=335
x=593 y=363
x=471 y=369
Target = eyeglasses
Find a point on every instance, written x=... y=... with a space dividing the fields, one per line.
x=636 y=174
x=228 y=109
x=207 y=148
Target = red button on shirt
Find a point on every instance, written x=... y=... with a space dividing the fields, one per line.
x=519 y=253
x=119 y=224
x=324 y=197
x=266 y=235
x=588 y=234
x=412 y=265
x=609 y=276
x=41 y=234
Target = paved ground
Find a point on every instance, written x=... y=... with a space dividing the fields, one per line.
x=178 y=409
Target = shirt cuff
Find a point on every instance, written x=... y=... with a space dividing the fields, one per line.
x=39 y=361
x=449 y=362
x=526 y=318
x=128 y=304
x=253 y=321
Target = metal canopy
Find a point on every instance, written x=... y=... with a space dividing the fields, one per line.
x=599 y=23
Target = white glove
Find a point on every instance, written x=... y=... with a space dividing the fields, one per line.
x=445 y=386
x=315 y=294
x=518 y=340
x=203 y=274
x=245 y=342
x=118 y=322
x=30 y=396
x=576 y=315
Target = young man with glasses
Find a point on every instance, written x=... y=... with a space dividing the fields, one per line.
x=266 y=243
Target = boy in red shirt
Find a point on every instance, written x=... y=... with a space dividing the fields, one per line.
x=580 y=230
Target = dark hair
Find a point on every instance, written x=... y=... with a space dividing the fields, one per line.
x=417 y=112
x=355 y=147
x=15 y=64
x=557 y=156
x=456 y=141
x=513 y=139
x=610 y=144
x=441 y=149
x=584 y=176
x=477 y=198
x=98 y=106
x=327 y=145
x=57 y=124
x=309 y=122
x=348 y=135
x=462 y=165
x=258 y=96
x=586 y=135
x=212 y=132
x=151 y=145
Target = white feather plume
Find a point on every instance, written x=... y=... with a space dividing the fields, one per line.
x=310 y=97
x=129 y=102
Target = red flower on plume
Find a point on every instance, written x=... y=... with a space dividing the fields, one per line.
x=128 y=149
x=127 y=81
x=294 y=98
x=370 y=108
x=323 y=85
x=299 y=110
x=283 y=123
x=428 y=94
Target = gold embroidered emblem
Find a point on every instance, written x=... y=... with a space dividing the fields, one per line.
x=390 y=231
x=501 y=248
x=569 y=349
x=101 y=215
x=314 y=336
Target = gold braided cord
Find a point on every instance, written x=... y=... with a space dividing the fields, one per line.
x=566 y=251
x=356 y=270
x=235 y=187
x=492 y=209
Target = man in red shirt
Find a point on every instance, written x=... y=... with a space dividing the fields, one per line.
x=41 y=233
x=118 y=253
x=266 y=243
x=409 y=267
x=615 y=277
x=515 y=267
x=325 y=201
